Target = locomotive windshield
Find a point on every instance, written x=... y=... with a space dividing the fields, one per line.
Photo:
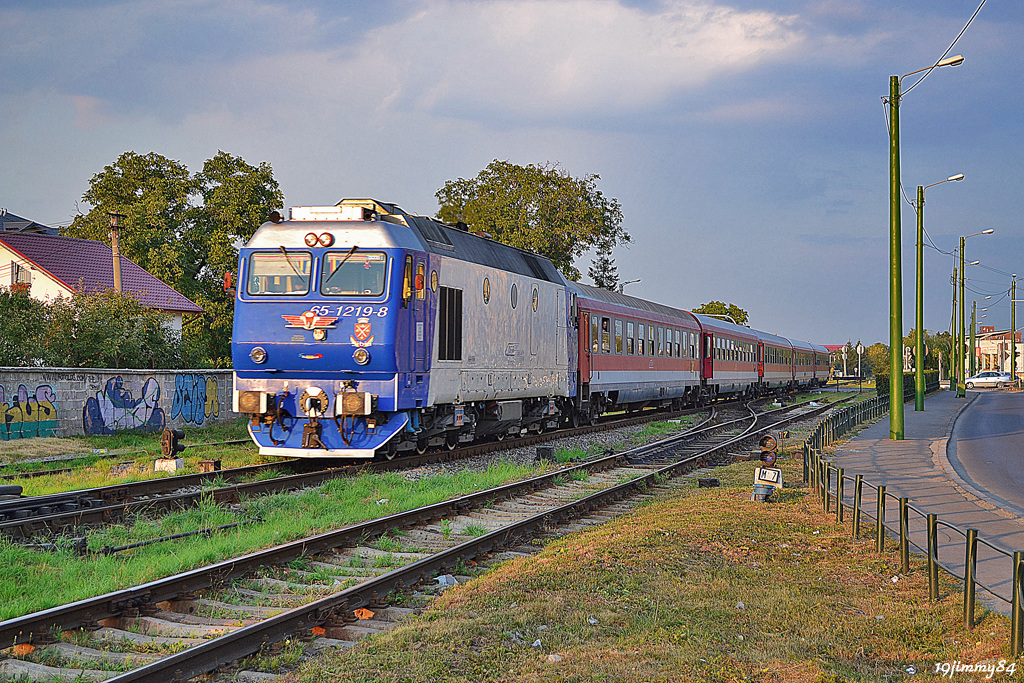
x=279 y=272
x=348 y=273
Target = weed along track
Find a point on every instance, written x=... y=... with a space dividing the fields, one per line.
x=28 y=517
x=332 y=589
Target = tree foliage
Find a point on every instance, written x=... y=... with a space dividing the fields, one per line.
x=540 y=208
x=99 y=329
x=603 y=271
x=22 y=323
x=714 y=307
x=184 y=228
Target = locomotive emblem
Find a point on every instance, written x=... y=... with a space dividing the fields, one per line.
x=362 y=329
x=362 y=337
x=310 y=320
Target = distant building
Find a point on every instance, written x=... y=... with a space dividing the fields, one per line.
x=12 y=223
x=50 y=266
x=992 y=349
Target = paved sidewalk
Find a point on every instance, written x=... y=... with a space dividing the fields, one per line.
x=917 y=468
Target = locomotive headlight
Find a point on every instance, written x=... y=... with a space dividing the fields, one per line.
x=361 y=356
x=258 y=354
x=311 y=239
x=326 y=239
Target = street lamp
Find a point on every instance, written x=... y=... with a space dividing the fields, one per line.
x=895 y=236
x=961 y=388
x=627 y=282
x=919 y=318
x=974 y=312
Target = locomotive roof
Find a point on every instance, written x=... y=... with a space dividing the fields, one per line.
x=620 y=299
x=387 y=225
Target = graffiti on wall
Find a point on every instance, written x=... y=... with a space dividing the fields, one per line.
x=24 y=415
x=115 y=409
x=195 y=399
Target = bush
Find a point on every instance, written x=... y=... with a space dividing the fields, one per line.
x=102 y=329
x=931 y=379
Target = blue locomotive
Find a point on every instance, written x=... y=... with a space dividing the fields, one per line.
x=361 y=330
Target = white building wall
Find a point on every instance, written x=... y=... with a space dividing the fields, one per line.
x=44 y=287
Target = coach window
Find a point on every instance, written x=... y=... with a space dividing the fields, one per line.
x=630 y=342
x=640 y=339
x=693 y=345
x=661 y=342
x=514 y=295
x=606 y=335
x=678 y=347
x=618 y=336
x=594 y=333
x=650 y=340
x=487 y=290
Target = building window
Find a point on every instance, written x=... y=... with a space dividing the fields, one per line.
x=20 y=275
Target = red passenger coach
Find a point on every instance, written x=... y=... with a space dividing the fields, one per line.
x=635 y=353
x=730 y=358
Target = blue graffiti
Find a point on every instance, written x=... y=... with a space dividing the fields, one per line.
x=195 y=399
x=113 y=409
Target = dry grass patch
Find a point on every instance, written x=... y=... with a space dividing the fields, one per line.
x=702 y=586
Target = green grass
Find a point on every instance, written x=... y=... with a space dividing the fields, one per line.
x=32 y=580
x=655 y=596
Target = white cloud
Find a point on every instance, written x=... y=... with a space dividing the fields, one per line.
x=549 y=58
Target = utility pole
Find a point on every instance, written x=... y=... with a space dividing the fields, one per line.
x=953 y=370
x=1013 y=330
x=115 y=246
x=974 y=311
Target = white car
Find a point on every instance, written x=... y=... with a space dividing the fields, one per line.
x=989 y=378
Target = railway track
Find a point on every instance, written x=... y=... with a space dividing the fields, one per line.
x=322 y=585
x=29 y=517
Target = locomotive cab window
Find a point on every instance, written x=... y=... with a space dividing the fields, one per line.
x=277 y=273
x=353 y=274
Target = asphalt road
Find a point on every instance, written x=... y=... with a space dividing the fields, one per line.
x=987 y=447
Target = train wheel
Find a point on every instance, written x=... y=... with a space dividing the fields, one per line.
x=500 y=436
x=421 y=447
x=574 y=418
x=451 y=440
x=390 y=452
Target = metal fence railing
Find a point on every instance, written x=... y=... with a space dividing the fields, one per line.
x=939 y=541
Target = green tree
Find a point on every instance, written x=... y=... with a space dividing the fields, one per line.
x=720 y=308
x=603 y=271
x=184 y=228
x=876 y=359
x=540 y=208
x=21 y=326
x=107 y=329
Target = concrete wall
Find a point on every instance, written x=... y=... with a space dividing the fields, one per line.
x=70 y=401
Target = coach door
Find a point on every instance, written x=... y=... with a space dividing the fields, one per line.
x=709 y=356
x=419 y=316
x=760 y=360
x=584 y=350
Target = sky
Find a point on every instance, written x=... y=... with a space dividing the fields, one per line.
x=746 y=141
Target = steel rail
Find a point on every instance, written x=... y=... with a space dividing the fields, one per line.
x=247 y=640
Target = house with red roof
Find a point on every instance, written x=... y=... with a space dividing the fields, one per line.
x=52 y=266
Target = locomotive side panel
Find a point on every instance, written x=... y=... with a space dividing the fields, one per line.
x=512 y=332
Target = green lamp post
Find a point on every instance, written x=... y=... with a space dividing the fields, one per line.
x=961 y=388
x=919 y=318
x=895 y=236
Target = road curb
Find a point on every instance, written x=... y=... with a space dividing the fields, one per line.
x=940 y=456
